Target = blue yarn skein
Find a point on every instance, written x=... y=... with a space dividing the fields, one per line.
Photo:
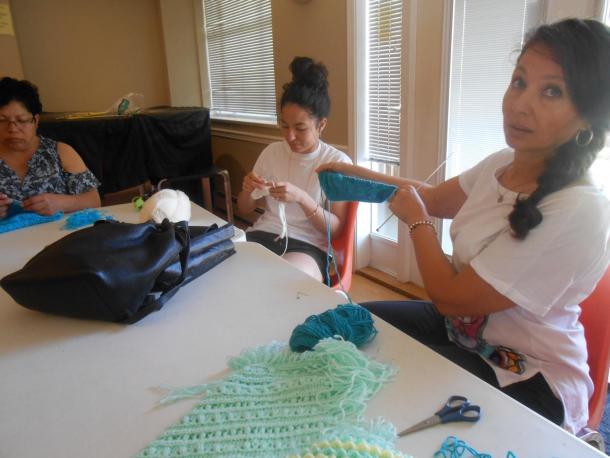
x=349 y=321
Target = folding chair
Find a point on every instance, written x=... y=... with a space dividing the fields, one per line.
x=343 y=248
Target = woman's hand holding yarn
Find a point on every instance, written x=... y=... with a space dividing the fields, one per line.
x=45 y=204
x=284 y=191
x=408 y=205
x=252 y=181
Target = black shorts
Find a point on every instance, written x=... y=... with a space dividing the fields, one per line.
x=267 y=239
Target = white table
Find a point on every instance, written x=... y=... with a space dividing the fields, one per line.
x=72 y=388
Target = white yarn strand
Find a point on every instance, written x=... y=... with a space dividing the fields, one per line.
x=281 y=210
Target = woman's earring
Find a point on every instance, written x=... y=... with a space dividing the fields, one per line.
x=583 y=137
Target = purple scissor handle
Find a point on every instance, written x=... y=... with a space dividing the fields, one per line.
x=457 y=408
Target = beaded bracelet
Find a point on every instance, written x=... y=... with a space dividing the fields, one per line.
x=314 y=212
x=421 y=222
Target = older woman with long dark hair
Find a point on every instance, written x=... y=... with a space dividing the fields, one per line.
x=43 y=175
x=530 y=231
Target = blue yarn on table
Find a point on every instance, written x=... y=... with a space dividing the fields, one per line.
x=456 y=448
x=17 y=218
x=338 y=187
x=348 y=321
x=84 y=218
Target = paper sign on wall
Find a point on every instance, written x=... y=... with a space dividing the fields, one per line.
x=6 y=21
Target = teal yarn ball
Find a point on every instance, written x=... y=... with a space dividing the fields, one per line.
x=351 y=322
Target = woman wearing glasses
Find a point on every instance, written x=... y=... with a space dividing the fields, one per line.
x=43 y=175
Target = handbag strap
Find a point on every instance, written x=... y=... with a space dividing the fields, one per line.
x=181 y=231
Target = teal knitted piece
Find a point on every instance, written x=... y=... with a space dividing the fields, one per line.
x=274 y=403
x=21 y=219
x=84 y=218
x=338 y=187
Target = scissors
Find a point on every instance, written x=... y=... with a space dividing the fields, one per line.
x=457 y=408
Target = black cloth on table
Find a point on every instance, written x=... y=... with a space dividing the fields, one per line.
x=124 y=151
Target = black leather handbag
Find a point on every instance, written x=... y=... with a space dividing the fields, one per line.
x=116 y=271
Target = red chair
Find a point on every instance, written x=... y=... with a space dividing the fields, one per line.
x=343 y=249
x=595 y=318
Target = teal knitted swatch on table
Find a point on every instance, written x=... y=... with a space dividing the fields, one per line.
x=85 y=217
x=274 y=403
x=338 y=187
x=18 y=218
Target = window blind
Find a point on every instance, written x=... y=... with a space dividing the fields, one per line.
x=384 y=45
x=240 y=59
x=486 y=38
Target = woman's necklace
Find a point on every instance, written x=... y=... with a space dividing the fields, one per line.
x=501 y=194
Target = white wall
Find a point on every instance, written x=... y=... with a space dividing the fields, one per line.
x=560 y=9
x=10 y=63
x=182 y=52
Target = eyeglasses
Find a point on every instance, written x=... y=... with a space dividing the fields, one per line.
x=20 y=123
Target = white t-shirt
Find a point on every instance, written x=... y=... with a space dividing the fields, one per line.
x=277 y=163
x=547 y=275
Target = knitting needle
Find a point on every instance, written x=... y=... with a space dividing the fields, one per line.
x=419 y=187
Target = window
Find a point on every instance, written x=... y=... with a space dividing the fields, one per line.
x=486 y=38
x=239 y=47
x=384 y=46
x=383 y=58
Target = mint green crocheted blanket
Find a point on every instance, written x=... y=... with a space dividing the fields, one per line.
x=277 y=403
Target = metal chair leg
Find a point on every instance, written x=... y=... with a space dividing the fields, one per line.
x=206 y=191
x=228 y=197
x=593 y=438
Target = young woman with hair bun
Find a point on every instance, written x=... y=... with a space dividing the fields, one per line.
x=530 y=232
x=284 y=179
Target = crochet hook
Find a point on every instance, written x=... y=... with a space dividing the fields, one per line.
x=419 y=187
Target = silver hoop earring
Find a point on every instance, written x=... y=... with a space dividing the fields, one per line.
x=582 y=142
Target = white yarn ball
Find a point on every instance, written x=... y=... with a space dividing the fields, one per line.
x=167 y=203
